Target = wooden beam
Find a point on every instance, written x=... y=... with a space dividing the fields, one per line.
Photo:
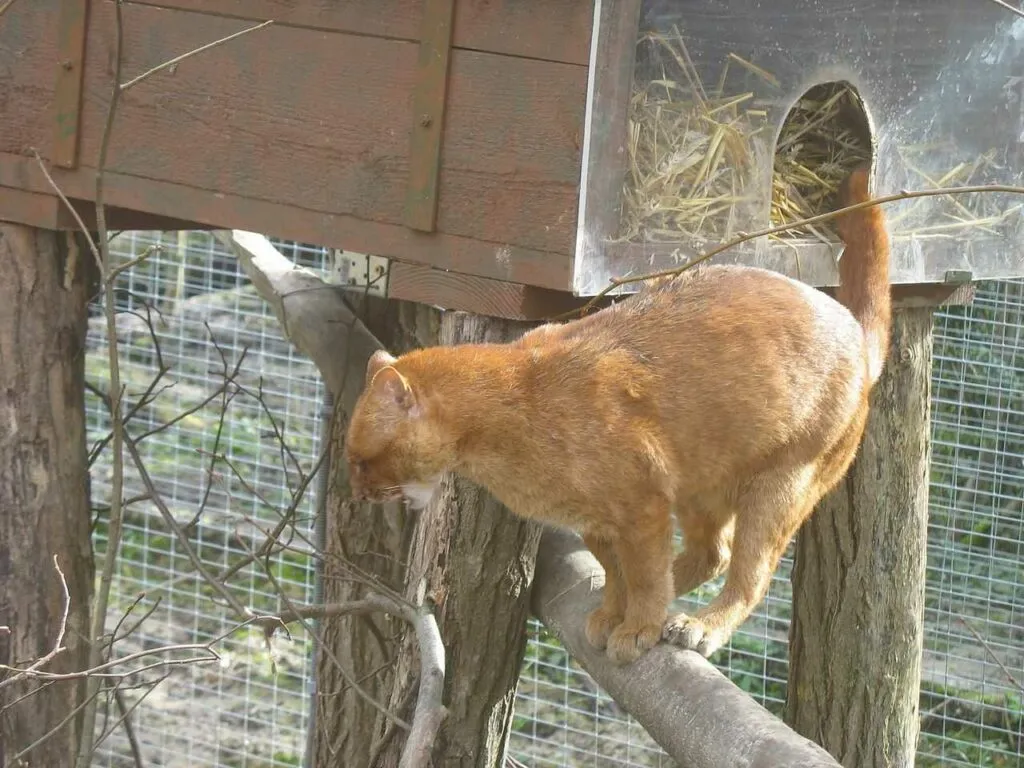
x=428 y=114
x=494 y=298
x=67 y=97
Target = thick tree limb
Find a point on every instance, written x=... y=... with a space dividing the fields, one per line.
x=687 y=706
x=313 y=315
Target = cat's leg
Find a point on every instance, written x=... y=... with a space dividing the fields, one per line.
x=769 y=512
x=604 y=619
x=707 y=545
x=644 y=549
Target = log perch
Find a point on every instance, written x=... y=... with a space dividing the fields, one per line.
x=699 y=717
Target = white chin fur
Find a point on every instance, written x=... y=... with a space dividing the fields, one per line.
x=419 y=495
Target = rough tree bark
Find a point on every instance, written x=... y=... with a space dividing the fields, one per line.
x=376 y=539
x=858 y=582
x=475 y=561
x=44 y=482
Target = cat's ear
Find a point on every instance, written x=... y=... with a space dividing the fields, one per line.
x=379 y=359
x=389 y=383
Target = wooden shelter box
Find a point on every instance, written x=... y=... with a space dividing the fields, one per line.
x=483 y=147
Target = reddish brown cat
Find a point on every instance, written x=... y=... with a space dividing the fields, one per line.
x=733 y=395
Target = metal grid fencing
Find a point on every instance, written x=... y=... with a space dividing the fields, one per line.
x=251 y=710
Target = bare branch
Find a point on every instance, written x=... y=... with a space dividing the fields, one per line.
x=992 y=653
x=327 y=649
x=103 y=670
x=5 y=6
x=126 y=718
x=202 y=49
x=1010 y=8
x=667 y=686
x=179 y=532
x=311 y=312
x=58 y=645
x=71 y=209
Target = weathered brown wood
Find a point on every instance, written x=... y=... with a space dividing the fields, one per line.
x=71 y=26
x=329 y=171
x=475 y=561
x=33 y=209
x=28 y=54
x=555 y=30
x=494 y=298
x=330 y=135
x=203 y=209
x=121 y=218
x=428 y=114
x=44 y=485
x=858 y=581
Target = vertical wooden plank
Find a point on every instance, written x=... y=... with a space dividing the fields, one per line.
x=71 y=26
x=428 y=114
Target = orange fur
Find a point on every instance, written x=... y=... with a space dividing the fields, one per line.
x=733 y=396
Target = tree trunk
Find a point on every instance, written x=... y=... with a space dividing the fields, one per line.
x=858 y=581
x=466 y=552
x=475 y=561
x=376 y=539
x=44 y=484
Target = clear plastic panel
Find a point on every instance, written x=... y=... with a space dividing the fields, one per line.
x=685 y=114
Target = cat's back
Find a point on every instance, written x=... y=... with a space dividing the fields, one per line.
x=738 y=306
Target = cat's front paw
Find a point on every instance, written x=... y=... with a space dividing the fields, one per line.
x=600 y=624
x=628 y=642
x=693 y=634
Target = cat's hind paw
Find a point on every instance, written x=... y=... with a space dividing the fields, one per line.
x=693 y=634
x=600 y=625
x=627 y=643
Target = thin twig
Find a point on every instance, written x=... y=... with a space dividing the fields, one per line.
x=102 y=670
x=179 y=532
x=71 y=209
x=58 y=645
x=178 y=59
x=617 y=282
x=5 y=6
x=89 y=700
x=115 y=517
x=992 y=653
x=134 y=262
x=360 y=691
x=1010 y=8
x=126 y=719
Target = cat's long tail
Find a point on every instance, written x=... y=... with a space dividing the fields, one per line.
x=864 y=268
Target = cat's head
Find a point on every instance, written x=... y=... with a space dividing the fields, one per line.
x=396 y=445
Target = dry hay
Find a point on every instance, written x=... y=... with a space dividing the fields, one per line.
x=691 y=155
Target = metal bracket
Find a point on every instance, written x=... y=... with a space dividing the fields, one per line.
x=958 y=276
x=360 y=271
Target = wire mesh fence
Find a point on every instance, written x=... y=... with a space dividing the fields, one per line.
x=188 y=310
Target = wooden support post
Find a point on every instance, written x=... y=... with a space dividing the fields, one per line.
x=858 y=582
x=44 y=488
